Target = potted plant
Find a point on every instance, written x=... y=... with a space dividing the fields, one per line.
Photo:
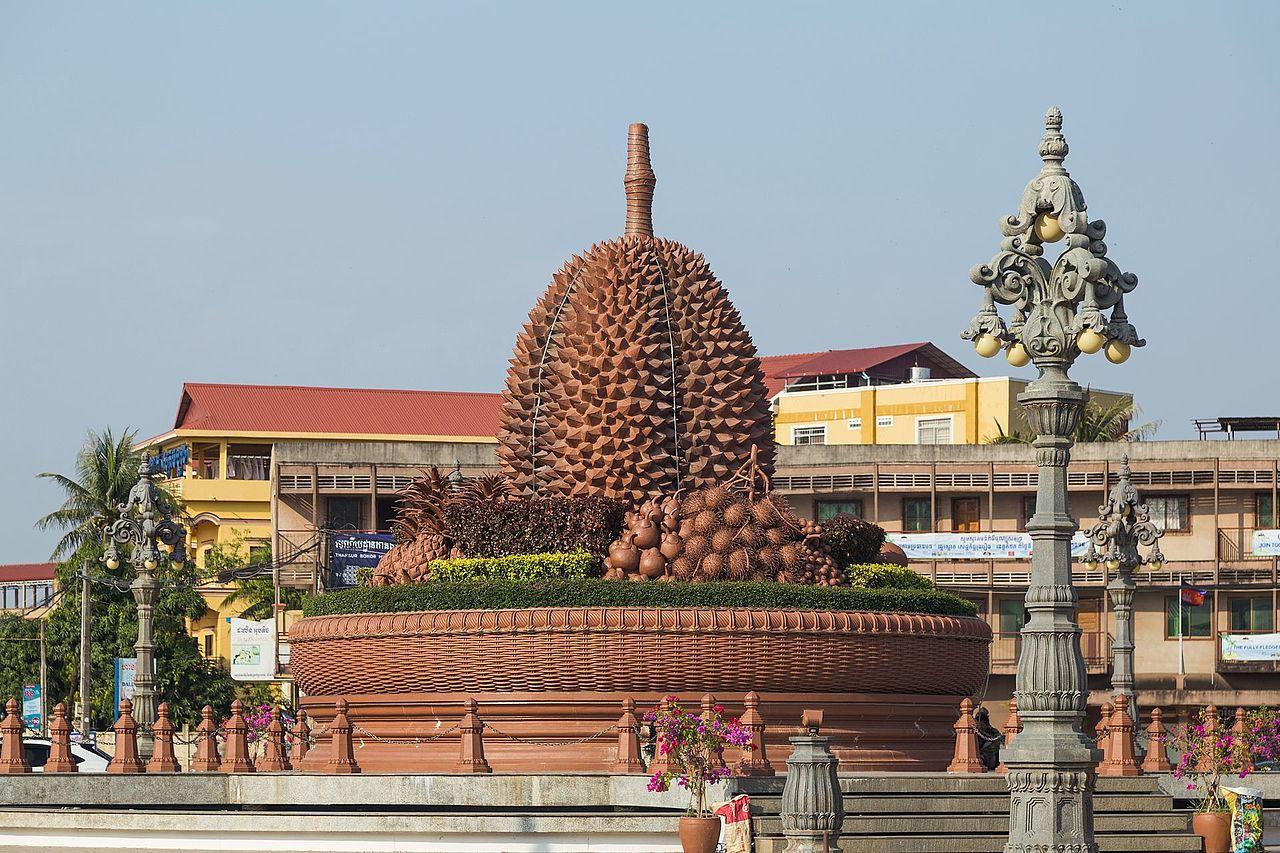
x=1208 y=753
x=690 y=753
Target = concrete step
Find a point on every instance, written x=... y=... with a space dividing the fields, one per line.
x=941 y=783
x=928 y=824
x=966 y=803
x=1117 y=843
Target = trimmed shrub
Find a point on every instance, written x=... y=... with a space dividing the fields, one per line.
x=852 y=541
x=884 y=576
x=513 y=595
x=516 y=567
x=500 y=528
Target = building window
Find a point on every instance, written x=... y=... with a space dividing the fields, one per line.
x=1012 y=615
x=884 y=420
x=208 y=645
x=1195 y=620
x=855 y=423
x=824 y=382
x=249 y=462
x=827 y=510
x=1028 y=511
x=966 y=515
x=917 y=516
x=1171 y=513
x=809 y=435
x=1251 y=615
x=1264 y=511
x=933 y=430
x=345 y=512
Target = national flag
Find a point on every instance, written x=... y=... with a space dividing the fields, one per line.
x=1191 y=595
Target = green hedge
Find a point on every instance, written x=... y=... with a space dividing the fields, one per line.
x=511 y=595
x=885 y=576
x=518 y=567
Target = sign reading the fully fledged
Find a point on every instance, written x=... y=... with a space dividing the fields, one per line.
x=253 y=650
x=1266 y=543
x=972 y=546
x=1250 y=647
x=351 y=551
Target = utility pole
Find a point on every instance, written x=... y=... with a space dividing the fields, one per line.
x=86 y=714
x=44 y=682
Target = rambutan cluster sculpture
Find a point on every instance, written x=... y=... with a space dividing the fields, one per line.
x=635 y=376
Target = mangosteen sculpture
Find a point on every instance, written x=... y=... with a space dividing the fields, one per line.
x=635 y=376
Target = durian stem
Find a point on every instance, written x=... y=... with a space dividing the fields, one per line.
x=639 y=182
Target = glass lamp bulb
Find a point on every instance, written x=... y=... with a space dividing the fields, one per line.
x=987 y=345
x=1017 y=355
x=113 y=563
x=1155 y=564
x=1090 y=341
x=1113 y=564
x=149 y=563
x=1047 y=228
x=1091 y=565
x=1117 y=352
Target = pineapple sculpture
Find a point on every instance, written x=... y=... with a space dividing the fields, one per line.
x=634 y=376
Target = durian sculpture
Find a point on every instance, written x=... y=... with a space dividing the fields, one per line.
x=634 y=376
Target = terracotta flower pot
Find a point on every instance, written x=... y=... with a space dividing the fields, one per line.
x=1214 y=828
x=699 y=834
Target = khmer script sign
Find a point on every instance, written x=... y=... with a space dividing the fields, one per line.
x=972 y=546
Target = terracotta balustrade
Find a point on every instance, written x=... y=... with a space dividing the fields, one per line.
x=1156 y=761
x=343 y=758
x=162 y=758
x=301 y=734
x=628 y=758
x=274 y=758
x=753 y=760
x=661 y=762
x=967 y=757
x=126 y=759
x=1102 y=732
x=12 y=759
x=60 y=760
x=207 y=759
x=1212 y=725
x=236 y=757
x=1012 y=726
x=1121 y=757
x=471 y=742
x=1238 y=730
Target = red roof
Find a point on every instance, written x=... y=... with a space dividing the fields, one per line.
x=284 y=409
x=779 y=368
x=12 y=572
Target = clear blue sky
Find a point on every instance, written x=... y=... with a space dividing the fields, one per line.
x=374 y=194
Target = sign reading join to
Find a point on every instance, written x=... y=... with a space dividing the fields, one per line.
x=973 y=546
x=253 y=650
x=1266 y=543
x=351 y=551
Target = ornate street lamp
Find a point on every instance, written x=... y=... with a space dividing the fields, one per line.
x=1058 y=314
x=1123 y=525
x=151 y=535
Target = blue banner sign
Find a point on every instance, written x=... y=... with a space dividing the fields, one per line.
x=351 y=551
x=32 y=717
x=171 y=462
x=126 y=678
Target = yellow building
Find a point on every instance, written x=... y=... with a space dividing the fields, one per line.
x=218 y=458
x=906 y=394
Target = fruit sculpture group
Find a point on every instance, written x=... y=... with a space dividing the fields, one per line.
x=636 y=380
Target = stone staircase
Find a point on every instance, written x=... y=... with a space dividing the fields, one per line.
x=941 y=813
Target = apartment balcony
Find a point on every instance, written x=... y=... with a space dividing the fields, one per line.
x=1016 y=574
x=1095 y=645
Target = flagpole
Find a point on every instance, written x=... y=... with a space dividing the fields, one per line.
x=1182 y=667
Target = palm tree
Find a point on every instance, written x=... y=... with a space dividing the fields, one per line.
x=1097 y=423
x=106 y=469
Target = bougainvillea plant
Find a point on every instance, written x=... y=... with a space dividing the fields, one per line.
x=258 y=717
x=693 y=745
x=1210 y=751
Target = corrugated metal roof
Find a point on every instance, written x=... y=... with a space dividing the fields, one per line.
x=284 y=409
x=779 y=368
x=13 y=572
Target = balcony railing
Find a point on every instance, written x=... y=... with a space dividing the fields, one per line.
x=1094 y=645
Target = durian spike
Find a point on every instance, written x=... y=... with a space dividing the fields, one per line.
x=639 y=183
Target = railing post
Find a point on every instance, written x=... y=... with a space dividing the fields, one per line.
x=12 y=758
x=60 y=760
x=207 y=759
x=967 y=758
x=1238 y=730
x=661 y=758
x=343 y=757
x=274 y=759
x=1012 y=725
x=1212 y=725
x=1120 y=760
x=162 y=758
x=754 y=761
x=708 y=711
x=628 y=757
x=1156 y=761
x=301 y=736
x=126 y=759
x=471 y=742
x=1102 y=733
x=236 y=758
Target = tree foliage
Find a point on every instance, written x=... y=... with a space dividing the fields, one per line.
x=1098 y=423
